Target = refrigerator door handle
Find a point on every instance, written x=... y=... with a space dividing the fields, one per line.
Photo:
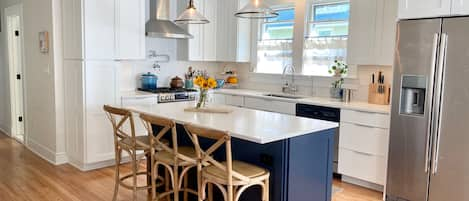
x=438 y=102
x=435 y=48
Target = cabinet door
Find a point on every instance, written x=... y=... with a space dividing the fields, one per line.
x=210 y=30
x=130 y=29
x=424 y=8
x=362 y=32
x=386 y=33
x=99 y=20
x=460 y=7
x=100 y=89
x=218 y=99
x=72 y=29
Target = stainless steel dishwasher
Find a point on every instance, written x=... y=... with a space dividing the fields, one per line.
x=323 y=113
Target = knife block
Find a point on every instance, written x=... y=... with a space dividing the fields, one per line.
x=379 y=94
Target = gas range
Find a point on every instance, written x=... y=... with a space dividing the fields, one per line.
x=168 y=95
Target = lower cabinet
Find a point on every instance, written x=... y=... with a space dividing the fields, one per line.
x=255 y=103
x=363 y=146
x=363 y=166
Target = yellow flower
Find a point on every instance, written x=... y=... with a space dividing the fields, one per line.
x=212 y=83
x=199 y=81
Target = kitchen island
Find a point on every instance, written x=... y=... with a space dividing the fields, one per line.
x=297 y=151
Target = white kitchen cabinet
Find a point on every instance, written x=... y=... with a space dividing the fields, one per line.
x=217 y=98
x=363 y=166
x=372 y=32
x=460 y=7
x=100 y=89
x=363 y=145
x=270 y=105
x=104 y=30
x=234 y=100
x=99 y=29
x=409 y=9
x=226 y=38
x=130 y=29
x=233 y=34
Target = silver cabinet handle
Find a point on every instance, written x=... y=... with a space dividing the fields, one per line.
x=435 y=48
x=438 y=101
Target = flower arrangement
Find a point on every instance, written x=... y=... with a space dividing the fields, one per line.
x=339 y=70
x=204 y=83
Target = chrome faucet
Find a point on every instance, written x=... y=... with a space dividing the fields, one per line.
x=289 y=88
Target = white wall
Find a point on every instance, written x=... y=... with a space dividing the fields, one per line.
x=39 y=77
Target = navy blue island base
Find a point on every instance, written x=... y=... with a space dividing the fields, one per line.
x=300 y=167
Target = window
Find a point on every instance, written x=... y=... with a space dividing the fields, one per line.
x=274 y=47
x=326 y=37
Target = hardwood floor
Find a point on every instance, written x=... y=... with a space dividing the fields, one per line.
x=26 y=177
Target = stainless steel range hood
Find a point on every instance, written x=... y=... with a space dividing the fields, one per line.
x=159 y=25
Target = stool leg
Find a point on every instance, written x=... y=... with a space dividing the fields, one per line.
x=266 y=190
x=210 y=192
x=230 y=193
x=134 y=169
x=154 y=177
x=150 y=176
x=176 y=183
x=166 y=183
x=117 y=175
x=186 y=183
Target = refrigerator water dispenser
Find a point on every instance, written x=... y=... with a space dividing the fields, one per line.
x=413 y=95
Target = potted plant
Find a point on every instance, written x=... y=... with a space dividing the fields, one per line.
x=338 y=70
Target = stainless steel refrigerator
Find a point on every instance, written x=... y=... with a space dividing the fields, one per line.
x=429 y=140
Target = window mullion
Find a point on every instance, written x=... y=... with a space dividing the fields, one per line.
x=298 y=36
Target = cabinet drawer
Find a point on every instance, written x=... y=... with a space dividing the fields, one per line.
x=234 y=100
x=364 y=139
x=283 y=107
x=257 y=103
x=362 y=166
x=365 y=118
x=270 y=105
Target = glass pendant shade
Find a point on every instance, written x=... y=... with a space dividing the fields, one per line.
x=191 y=16
x=256 y=9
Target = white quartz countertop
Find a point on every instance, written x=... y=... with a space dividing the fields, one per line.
x=246 y=124
x=319 y=101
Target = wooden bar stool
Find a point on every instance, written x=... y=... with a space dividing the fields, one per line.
x=131 y=144
x=231 y=177
x=177 y=160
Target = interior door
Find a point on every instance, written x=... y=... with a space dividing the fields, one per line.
x=450 y=180
x=407 y=177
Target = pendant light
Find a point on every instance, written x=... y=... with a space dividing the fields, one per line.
x=191 y=16
x=256 y=9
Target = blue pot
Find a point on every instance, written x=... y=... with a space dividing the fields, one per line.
x=149 y=81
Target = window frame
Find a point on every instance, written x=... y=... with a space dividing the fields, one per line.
x=311 y=13
x=262 y=23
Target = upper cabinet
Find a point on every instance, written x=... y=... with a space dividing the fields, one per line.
x=372 y=32
x=226 y=38
x=412 y=9
x=460 y=7
x=130 y=29
x=104 y=29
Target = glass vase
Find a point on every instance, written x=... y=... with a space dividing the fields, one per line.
x=202 y=99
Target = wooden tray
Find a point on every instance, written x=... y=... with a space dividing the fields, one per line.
x=219 y=110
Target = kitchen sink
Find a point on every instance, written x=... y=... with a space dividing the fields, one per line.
x=284 y=96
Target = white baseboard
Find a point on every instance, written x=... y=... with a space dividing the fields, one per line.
x=97 y=165
x=46 y=154
x=5 y=129
x=61 y=158
x=362 y=183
